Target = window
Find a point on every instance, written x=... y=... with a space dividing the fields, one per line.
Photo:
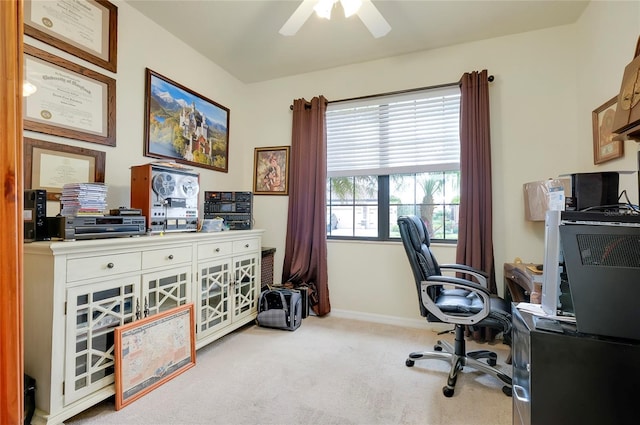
x=392 y=155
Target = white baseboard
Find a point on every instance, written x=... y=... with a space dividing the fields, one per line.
x=390 y=320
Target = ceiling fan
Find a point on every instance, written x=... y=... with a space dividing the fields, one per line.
x=366 y=11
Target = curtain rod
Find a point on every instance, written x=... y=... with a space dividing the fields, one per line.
x=490 y=78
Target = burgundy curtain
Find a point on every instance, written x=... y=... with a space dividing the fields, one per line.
x=305 y=255
x=475 y=240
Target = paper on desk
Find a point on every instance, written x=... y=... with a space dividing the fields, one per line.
x=537 y=310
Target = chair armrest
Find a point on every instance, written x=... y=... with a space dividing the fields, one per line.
x=457 y=319
x=479 y=275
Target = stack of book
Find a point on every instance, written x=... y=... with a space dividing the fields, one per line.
x=82 y=199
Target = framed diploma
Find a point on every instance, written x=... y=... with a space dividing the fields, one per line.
x=70 y=100
x=50 y=166
x=84 y=28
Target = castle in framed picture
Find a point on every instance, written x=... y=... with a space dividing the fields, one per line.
x=184 y=126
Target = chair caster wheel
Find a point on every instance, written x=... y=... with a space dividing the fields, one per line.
x=409 y=363
x=507 y=391
x=491 y=362
x=448 y=392
x=437 y=348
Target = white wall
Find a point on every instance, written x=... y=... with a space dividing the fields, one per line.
x=546 y=85
x=143 y=44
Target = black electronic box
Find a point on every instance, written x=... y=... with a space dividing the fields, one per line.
x=236 y=208
x=35 y=215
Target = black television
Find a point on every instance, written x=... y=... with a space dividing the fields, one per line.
x=602 y=262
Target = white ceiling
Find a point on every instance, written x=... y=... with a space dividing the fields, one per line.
x=242 y=36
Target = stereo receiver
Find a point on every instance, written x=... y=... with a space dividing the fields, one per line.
x=234 y=207
x=99 y=227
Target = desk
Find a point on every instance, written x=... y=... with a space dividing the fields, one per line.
x=518 y=284
x=571 y=378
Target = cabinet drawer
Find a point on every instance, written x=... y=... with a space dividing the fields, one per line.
x=246 y=245
x=215 y=249
x=102 y=266
x=166 y=256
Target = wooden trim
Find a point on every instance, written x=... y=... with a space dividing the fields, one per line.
x=11 y=238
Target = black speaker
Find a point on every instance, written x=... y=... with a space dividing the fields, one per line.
x=35 y=215
x=594 y=189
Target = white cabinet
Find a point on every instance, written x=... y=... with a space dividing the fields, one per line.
x=76 y=293
x=228 y=287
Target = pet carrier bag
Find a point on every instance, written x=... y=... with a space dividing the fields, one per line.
x=280 y=308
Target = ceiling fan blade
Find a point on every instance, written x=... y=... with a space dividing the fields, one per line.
x=298 y=18
x=373 y=19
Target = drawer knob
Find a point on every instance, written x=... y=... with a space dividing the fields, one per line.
x=170 y=256
x=246 y=246
x=217 y=249
x=110 y=265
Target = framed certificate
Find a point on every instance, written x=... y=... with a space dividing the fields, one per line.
x=84 y=28
x=50 y=166
x=70 y=100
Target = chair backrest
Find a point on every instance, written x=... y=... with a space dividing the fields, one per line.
x=415 y=239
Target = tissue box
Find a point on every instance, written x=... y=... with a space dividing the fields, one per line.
x=545 y=195
x=212 y=225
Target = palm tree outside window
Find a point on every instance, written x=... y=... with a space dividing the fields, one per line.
x=392 y=155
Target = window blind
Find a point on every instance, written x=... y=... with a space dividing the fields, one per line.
x=407 y=132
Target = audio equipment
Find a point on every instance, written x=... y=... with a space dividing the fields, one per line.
x=96 y=227
x=167 y=196
x=236 y=208
x=35 y=215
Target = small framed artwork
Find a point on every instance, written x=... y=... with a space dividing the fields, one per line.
x=87 y=29
x=184 y=126
x=151 y=351
x=70 y=100
x=50 y=166
x=271 y=171
x=605 y=148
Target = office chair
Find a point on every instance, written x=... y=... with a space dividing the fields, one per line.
x=453 y=300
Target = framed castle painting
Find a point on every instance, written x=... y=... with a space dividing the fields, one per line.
x=184 y=126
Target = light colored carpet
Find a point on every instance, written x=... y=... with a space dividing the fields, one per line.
x=330 y=371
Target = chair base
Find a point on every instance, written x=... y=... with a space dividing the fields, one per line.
x=459 y=359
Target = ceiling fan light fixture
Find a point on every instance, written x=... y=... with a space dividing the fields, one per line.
x=366 y=11
x=323 y=8
x=350 y=7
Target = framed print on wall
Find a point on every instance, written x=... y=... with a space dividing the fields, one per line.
x=184 y=126
x=87 y=29
x=50 y=166
x=604 y=147
x=70 y=100
x=271 y=171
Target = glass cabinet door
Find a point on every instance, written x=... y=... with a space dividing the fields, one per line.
x=245 y=295
x=93 y=311
x=162 y=291
x=213 y=309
